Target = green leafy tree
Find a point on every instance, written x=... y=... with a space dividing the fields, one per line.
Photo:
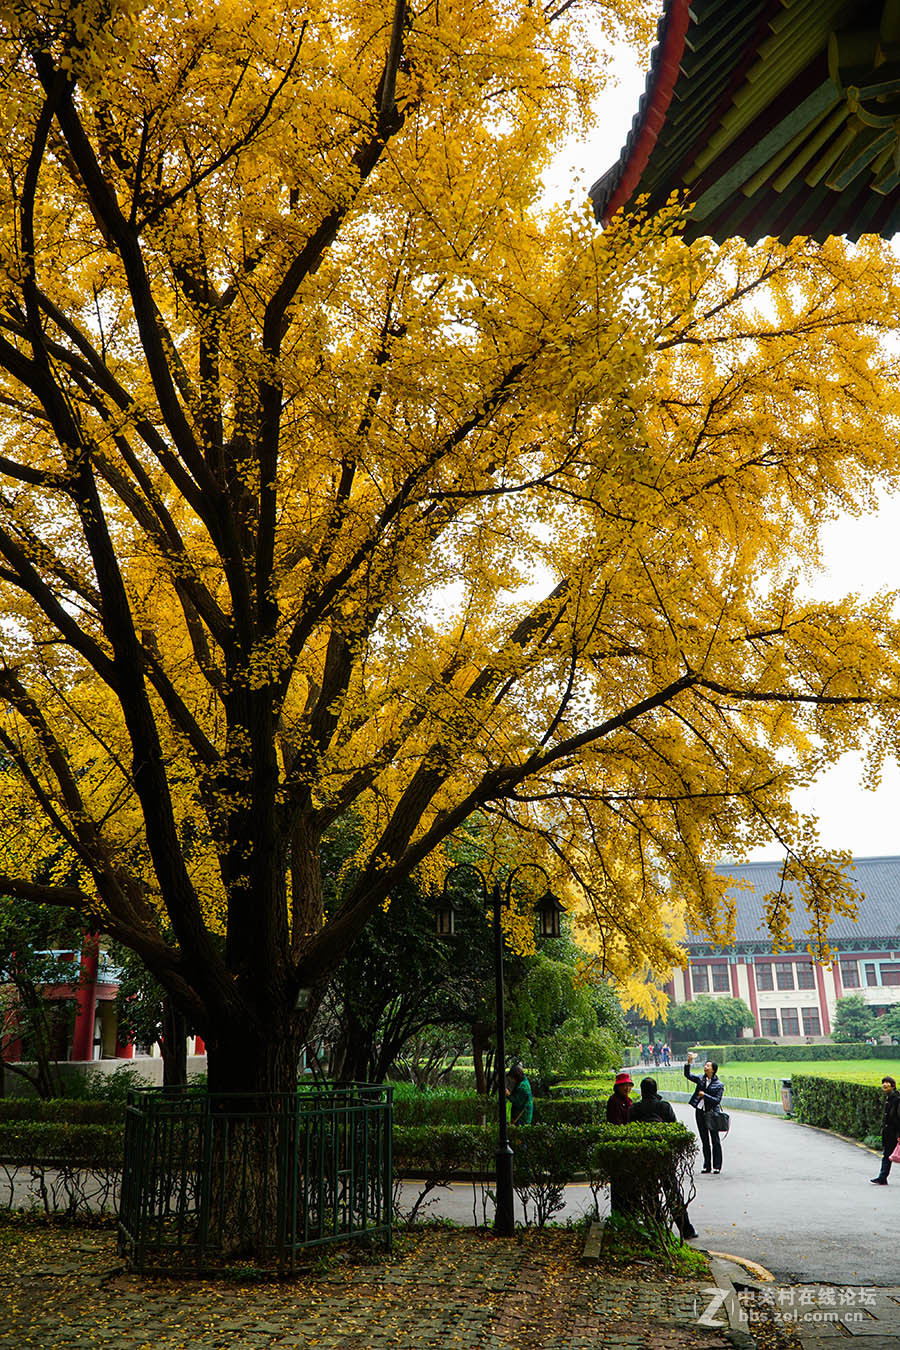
x=707 y=1018
x=558 y=1024
x=852 y=1021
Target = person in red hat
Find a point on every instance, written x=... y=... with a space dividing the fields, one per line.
x=619 y=1104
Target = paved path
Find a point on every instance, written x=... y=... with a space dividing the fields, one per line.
x=442 y=1290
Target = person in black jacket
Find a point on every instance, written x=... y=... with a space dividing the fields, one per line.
x=653 y=1107
x=706 y=1100
x=890 y=1127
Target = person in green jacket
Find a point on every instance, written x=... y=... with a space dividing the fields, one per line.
x=521 y=1102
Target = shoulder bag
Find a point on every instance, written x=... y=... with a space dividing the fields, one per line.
x=719 y=1120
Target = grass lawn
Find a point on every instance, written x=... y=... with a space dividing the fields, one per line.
x=848 y=1070
x=759 y=1079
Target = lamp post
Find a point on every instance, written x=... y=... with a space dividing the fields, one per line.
x=549 y=910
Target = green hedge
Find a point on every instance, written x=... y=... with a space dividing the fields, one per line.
x=854 y=1109
x=52 y=1143
x=423 y=1109
x=605 y=1153
x=61 y=1109
x=724 y=1054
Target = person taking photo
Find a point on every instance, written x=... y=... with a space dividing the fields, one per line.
x=706 y=1101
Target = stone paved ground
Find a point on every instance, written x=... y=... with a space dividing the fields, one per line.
x=825 y=1316
x=66 y=1290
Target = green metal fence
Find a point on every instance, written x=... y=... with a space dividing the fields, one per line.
x=215 y=1180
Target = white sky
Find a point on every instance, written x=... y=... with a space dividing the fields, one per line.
x=861 y=555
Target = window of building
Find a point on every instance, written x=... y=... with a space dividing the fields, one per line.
x=806 y=976
x=871 y=974
x=811 y=1024
x=720 y=980
x=790 y=1022
x=763 y=975
x=784 y=974
x=849 y=974
x=890 y=973
x=699 y=979
x=768 y=1022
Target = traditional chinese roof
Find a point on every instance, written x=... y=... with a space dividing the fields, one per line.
x=878 y=879
x=776 y=117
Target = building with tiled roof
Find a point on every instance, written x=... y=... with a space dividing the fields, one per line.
x=773 y=117
x=791 y=996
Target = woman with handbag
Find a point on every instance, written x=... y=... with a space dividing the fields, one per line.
x=707 y=1100
x=890 y=1128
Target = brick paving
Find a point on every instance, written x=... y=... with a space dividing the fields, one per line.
x=447 y=1289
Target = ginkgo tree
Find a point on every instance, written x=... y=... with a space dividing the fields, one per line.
x=340 y=479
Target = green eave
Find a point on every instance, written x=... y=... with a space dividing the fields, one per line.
x=774 y=117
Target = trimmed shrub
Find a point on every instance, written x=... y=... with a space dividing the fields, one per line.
x=649 y=1166
x=854 y=1109
x=53 y=1143
x=585 y=1109
x=63 y=1109
x=64 y=1169
x=452 y=1109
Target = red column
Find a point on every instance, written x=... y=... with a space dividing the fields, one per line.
x=687 y=983
x=754 y=1001
x=86 y=999
x=823 y=1002
x=124 y=1049
x=836 y=976
x=199 y=1045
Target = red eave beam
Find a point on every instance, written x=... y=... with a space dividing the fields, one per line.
x=660 y=98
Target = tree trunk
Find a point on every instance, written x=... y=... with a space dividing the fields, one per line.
x=354 y=1051
x=173 y=1045
x=253 y=1082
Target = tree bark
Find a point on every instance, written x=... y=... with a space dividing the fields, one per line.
x=173 y=1045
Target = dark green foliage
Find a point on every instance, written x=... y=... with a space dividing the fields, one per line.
x=51 y=1143
x=62 y=1109
x=854 y=1109
x=97 y=1086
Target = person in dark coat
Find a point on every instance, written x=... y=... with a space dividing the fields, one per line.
x=652 y=1107
x=890 y=1127
x=619 y=1104
x=706 y=1099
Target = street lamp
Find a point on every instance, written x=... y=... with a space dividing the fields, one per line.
x=548 y=910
